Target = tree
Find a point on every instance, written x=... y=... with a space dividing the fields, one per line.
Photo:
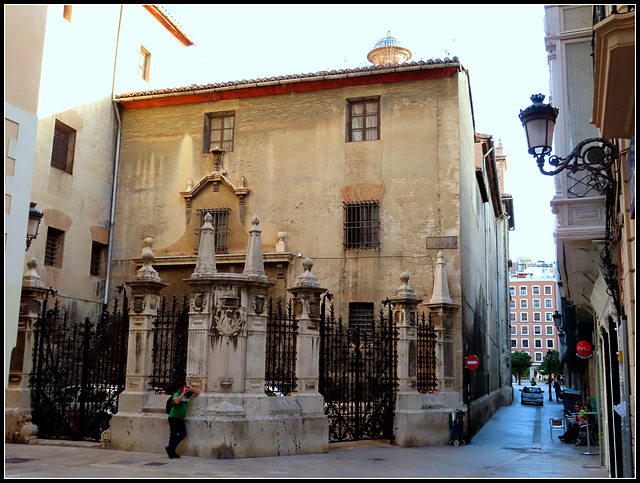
x=520 y=364
x=552 y=366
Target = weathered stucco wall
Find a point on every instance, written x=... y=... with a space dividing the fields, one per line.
x=292 y=152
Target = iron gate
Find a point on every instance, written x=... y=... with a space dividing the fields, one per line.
x=170 y=336
x=281 y=349
x=358 y=377
x=78 y=372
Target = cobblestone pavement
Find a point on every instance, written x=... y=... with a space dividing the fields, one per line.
x=515 y=443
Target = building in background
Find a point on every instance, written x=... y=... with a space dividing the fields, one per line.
x=90 y=52
x=25 y=27
x=531 y=308
x=591 y=54
x=63 y=65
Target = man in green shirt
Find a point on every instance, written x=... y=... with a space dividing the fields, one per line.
x=177 y=427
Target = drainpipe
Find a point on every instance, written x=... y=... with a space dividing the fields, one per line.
x=115 y=163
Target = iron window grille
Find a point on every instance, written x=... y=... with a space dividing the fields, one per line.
x=97 y=257
x=361 y=315
x=53 y=248
x=363 y=120
x=64 y=140
x=219 y=131
x=220 y=223
x=362 y=225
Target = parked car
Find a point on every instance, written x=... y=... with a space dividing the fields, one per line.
x=532 y=394
x=100 y=398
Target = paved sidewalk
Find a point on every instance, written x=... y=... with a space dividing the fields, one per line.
x=515 y=443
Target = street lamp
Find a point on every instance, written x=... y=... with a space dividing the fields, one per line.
x=549 y=372
x=557 y=320
x=34 y=223
x=595 y=155
x=562 y=336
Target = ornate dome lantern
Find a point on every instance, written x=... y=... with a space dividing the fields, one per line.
x=388 y=51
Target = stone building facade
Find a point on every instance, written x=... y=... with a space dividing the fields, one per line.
x=370 y=172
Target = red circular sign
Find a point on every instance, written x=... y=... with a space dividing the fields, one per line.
x=584 y=348
x=472 y=362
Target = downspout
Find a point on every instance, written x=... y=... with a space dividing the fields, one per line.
x=115 y=163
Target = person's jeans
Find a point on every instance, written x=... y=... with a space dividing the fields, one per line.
x=177 y=432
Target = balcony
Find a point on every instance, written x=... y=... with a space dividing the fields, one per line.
x=614 y=66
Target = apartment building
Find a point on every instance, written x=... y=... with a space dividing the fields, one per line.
x=531 y=307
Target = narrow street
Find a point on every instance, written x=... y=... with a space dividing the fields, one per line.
x=515 y=443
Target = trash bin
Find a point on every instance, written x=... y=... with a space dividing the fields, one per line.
x=456 y=423
x=569 y=398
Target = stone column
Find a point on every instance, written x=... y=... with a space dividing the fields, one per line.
x=315 y=425
x=18 y=426
x=408 y=420
x=306 y=294
x=256 y=313
x=146 y=290
x=201 y=306
x=405 y=314
x=442 y=309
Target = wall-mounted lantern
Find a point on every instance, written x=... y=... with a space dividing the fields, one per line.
x=594 y=155
x=35 y=217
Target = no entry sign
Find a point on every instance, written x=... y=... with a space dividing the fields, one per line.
x=472 y=362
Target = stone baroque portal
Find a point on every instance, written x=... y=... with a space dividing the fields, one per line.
x=232 y=417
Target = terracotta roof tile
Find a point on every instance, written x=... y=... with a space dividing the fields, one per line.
x=293 y=77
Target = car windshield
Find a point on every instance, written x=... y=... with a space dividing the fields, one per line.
x=532 y=389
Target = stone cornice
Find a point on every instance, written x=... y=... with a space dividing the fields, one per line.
x=221 y=258
x=216 y=177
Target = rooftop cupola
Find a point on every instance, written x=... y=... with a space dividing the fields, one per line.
x=388 y=51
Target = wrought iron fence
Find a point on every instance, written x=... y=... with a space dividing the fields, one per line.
x=282 y=340
x=426 y=340
x=170 y=337
x=78 y=372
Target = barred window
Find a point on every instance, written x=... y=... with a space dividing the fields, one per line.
x=363 y=120
x=53 y=248
x=361 y=225
x=64 y=141
x=98 y=259
x=220 y=223
x=219 y=131
x=361 y=314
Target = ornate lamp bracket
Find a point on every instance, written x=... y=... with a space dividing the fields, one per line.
x=595 y=155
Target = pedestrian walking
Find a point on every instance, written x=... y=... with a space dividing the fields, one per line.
x=558 y=390
x=177 y=415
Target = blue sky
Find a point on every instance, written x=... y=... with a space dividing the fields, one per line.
x=502 y=47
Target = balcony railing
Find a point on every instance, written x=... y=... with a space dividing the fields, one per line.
x=600 y=12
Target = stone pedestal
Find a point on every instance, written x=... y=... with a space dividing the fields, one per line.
x=306 y=293
x=420 y=419
x=408 y=411
x=18 y=426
